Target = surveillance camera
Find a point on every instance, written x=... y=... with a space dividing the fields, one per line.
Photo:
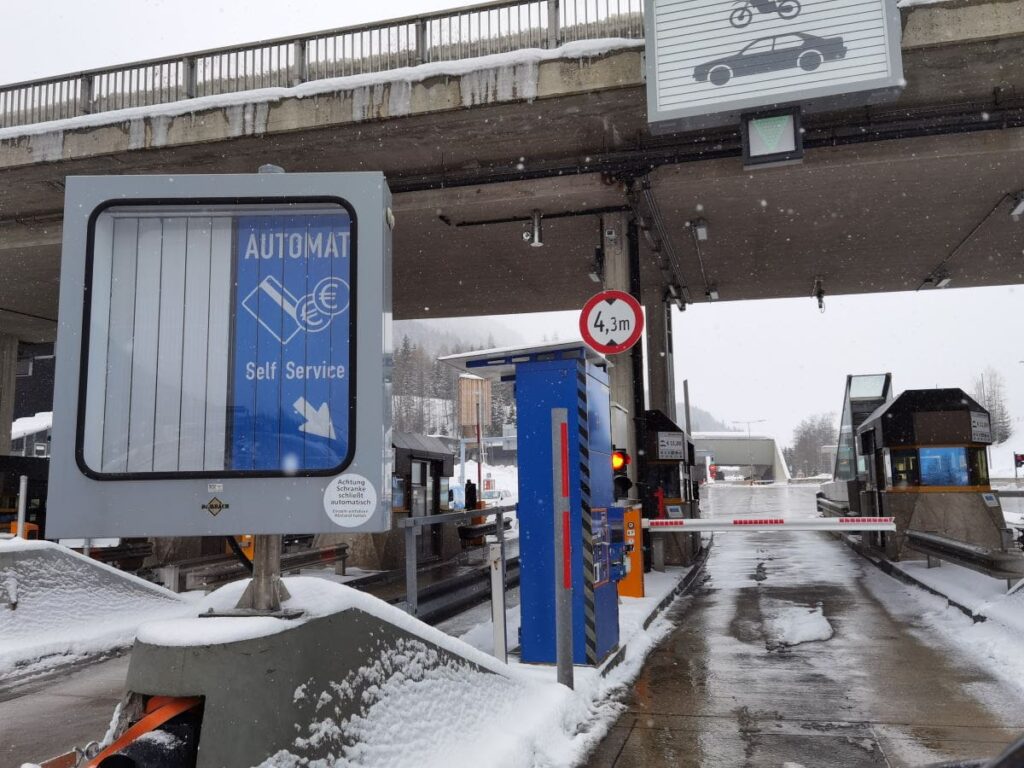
x=527 y=237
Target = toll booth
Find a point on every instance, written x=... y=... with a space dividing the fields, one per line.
x=670 y=482
x=573 y=377
x=926 y=466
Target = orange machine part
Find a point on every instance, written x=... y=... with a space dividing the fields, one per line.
x=159 y=709
x=633 y=584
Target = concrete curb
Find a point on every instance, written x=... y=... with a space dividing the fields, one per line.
x=684 y=585
x=900 y=575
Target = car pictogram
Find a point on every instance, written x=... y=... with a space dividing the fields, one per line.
x=771 y=54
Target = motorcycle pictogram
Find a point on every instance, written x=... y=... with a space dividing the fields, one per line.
x=742 y=16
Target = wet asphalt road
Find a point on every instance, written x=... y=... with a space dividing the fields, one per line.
x=882 y=691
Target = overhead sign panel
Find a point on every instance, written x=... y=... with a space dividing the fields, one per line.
x=207 y=379
x=711 y=60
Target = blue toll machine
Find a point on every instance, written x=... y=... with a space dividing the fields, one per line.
x=573 y=377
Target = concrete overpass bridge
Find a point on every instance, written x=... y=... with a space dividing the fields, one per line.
x=481 y=116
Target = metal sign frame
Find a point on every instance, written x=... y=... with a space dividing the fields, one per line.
x=351 y=496
x=764 y=24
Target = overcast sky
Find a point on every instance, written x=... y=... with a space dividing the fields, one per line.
x=783 y=360
x=58 y=36
x=773 y=360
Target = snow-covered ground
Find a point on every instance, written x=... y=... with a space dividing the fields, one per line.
x=477 y=712
x=506 y=478
x=69 y=607
x=1000 y=459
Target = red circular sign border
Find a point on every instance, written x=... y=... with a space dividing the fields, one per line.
x=614 y=349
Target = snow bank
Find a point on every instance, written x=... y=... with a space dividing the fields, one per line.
x=994 y=644
x=66 y=605
x=30 y=425
x=421 y=708
x=315 y=598
x=788 y=624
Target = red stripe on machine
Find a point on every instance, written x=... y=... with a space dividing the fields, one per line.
x=565 y=461
x=566 y=552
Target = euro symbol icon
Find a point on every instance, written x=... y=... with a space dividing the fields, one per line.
x=330 y=296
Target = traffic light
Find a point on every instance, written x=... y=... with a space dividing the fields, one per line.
x=620 y=480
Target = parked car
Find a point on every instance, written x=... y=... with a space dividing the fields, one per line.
x=497 y=497
x=771 y=54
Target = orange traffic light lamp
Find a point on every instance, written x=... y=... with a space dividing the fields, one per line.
x=620 y=460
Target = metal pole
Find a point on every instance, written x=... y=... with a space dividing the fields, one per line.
x=462 y=461
x=19 y=531
x=686 y=405
x=498 y=603
x=479 y=450
x=412 y=595
x=266 y=591
x=563 y=544
x=750 y=454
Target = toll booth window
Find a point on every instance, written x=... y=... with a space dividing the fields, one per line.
x=904 y=468
x=978 y=462
x=944 y=466
x=218 y=340
x=867 y=386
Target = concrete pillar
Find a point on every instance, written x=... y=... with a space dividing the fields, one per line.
x=8 y=379
x=614 y=241
x=660 y=375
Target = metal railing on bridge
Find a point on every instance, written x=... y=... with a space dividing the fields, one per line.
x=478 y=30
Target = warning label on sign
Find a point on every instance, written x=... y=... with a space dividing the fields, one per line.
x=350 y=500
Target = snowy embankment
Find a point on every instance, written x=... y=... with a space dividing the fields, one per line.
x=992 y=638
x=57 y=606
x=420 y=707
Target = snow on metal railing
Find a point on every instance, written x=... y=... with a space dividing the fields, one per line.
x=700 y=525
x=478 y=30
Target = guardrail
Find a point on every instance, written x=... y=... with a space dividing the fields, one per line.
x=477 y=30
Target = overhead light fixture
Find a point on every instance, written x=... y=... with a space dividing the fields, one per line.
x=712 y=293
x=536 y=236
x=597 y=270
x=772 y=138
x=943 y=282
x=1018 y=209
x=700 y=228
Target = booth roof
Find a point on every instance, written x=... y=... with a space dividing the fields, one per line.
x=923 y=400
x=421 y=444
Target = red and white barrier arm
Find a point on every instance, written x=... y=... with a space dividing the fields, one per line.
x=849 y=524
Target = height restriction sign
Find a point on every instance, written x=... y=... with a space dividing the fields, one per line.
x=611 y=322
x=208 y=376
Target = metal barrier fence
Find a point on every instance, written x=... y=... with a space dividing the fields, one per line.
x=478 y=30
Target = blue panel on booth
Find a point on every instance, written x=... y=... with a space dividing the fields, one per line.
x=541 y=385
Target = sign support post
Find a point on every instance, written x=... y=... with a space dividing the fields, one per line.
x=19 y=531
x=563 y=544
x=266 y=591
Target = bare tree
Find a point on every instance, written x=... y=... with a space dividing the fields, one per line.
x=990 y=391
x=810 y=436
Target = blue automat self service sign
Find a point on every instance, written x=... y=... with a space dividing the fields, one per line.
x=290 y=391
x=207 y=376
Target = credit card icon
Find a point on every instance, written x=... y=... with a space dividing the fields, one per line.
x=275 y=308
